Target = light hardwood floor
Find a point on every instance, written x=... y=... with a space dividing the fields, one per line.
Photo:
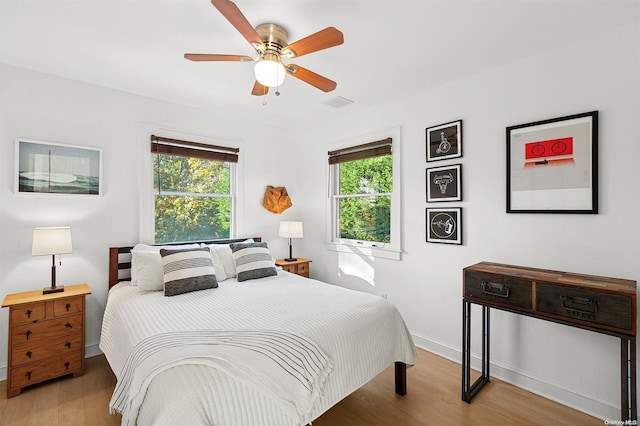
x=433 y=398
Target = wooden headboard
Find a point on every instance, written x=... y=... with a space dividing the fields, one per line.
x=120 y=258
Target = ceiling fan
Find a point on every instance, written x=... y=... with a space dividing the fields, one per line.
x=271 y=41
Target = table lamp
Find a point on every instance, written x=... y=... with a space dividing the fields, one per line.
x=290 y=229
x=52 y=241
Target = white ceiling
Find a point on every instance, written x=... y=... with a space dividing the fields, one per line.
x=391 y=49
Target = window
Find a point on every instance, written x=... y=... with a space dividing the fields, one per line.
x=364 y=206
x=193 y=190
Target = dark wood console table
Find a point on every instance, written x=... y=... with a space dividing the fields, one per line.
x=600 y=304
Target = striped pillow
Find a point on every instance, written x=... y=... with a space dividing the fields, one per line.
x=187 y=270
x=252 y=260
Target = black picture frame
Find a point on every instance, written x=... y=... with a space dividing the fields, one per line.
x=552 y=165
x=444 y=183
x=444 y=141
x=444 y=225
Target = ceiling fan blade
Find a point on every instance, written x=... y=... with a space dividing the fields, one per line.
x=310 y=77
x=215 y=57
x=329 y=37
x=259 y=89
x=230 y=11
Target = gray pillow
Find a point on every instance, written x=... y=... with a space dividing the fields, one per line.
x=187 y=270
x=252 y=260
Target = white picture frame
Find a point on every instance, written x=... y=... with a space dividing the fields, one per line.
x=48 y=168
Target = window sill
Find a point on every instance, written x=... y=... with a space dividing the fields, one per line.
x=383 y=253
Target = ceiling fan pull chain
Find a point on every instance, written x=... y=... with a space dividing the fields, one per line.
x=278 y=79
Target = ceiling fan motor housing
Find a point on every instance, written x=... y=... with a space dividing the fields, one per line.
x=274 y=38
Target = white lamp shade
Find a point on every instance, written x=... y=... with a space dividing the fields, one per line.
x=269 y=73
x=290 y=229
x=52 y=240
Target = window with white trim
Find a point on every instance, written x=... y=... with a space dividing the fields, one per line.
x=194 y=188
x=364 y=192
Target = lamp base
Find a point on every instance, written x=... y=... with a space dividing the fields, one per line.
x=291 y=259
x=56 y=289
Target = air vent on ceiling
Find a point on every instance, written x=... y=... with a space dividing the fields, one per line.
x=338 y=102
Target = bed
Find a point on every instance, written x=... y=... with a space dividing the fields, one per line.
x=278 y=349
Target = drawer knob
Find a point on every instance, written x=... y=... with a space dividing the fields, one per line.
x=27 y=334
x=67 y=306
x=28 y=354
x=68 y=325
x=28 y=313
x=495 y=289
x=68 y=345
x=580 y=307
x=66 y=365
x=28 y=375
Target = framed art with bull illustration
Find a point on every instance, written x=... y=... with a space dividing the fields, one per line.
x=552 y=165
x=444 y=183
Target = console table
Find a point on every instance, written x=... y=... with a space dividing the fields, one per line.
x=600 y=304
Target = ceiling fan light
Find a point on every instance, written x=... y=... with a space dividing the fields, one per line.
x=269 y=73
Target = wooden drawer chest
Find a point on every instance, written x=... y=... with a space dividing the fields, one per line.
x=300 y=266
x=600 y=304
x=46 y=336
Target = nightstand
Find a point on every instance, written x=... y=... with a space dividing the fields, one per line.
x=46 y=336
x=300 y=266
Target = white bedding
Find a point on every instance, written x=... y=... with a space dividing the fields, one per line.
x=361 y=334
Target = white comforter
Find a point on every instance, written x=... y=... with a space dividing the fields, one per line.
x=359 y=333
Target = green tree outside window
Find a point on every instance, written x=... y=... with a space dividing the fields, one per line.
x=193 y=199
x=364 y=199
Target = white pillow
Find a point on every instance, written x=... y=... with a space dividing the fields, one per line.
x=146 y=266
x=225 y=257
x=221 y=274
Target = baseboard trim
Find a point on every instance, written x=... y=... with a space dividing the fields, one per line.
x=524 y=380
x=92 y=350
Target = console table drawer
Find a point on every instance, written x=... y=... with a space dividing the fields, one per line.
x=582 y=305
x=504 y=290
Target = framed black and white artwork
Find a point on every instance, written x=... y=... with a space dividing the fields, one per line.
x=444 y=183
x=444 y=141
x=444 y=225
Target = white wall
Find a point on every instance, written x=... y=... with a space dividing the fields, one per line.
x=598 y=73
x=46 y=108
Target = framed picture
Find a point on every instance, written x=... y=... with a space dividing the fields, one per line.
x=552 y=165
x=444 y=225
x=444 y=141
x=51 y=168
x=444 y=183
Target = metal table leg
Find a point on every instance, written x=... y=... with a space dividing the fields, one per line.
x=628 y=396
x=469 y=390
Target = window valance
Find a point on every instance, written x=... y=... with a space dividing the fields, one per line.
x=360 y=152
x=160 y=145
